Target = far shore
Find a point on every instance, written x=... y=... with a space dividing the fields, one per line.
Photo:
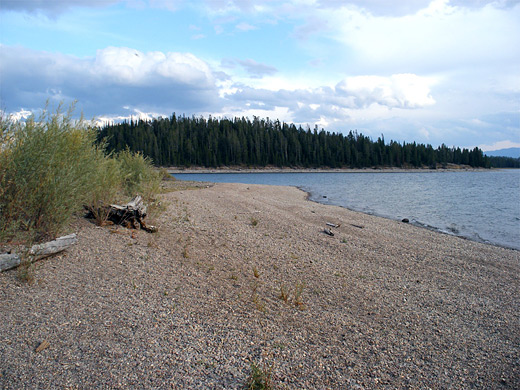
x=273 y=169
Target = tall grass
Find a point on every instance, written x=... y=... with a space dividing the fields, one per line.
x=52 y=167
x=106 y=188
x=47 y=173
x=138 y=175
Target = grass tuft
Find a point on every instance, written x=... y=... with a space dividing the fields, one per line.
x=25 y=272
x=260 y=378
x=284 y=293
x=298 y=291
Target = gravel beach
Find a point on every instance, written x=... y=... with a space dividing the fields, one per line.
x=241 y=274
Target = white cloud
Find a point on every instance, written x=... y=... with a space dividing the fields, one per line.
x=437 y=37
x=256 y=69
x=51 y=7
x=379 y=7
x=361 y=99
x=133 y=114
x=243 y=26
x=499 y=145
x=401 y=90
x=115 y=78
x=170 y=5
x=131 y=67
x=22 y=114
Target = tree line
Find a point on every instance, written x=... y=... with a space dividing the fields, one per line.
x=196 y=141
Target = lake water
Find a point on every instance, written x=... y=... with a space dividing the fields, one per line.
x=479 y=205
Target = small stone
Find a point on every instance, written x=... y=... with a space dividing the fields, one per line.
x=405 y=220
x=43 y=345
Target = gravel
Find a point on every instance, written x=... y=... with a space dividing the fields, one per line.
x=379 y=305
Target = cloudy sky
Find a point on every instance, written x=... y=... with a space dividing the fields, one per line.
x=441 y=71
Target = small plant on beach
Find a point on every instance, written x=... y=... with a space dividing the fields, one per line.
x=260 y=378
x=284 y=293
x=165 y=175
x=25 y=271
x=260 y=305
x=298 y=291
x=254 y=221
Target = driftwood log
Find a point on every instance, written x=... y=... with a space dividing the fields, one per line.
x=130 y=215
x=332 y=225
x=329 y=232
x=37 y=252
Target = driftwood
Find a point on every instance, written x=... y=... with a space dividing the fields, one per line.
x=333 y=225
x=43 y=345
x=130 y=215
x=329 y=232
x=37 y=252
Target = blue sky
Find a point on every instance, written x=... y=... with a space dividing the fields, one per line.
x=441 y=71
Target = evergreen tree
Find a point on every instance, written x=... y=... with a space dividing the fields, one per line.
x=184 y=141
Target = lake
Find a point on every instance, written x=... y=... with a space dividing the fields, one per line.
x=479 y=205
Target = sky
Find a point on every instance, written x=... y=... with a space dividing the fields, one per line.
x=435 y=72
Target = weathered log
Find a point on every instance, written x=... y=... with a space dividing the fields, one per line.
x=130 y=215
x=8 y=261
x=329 y=232
x=333 y=225
x=37 y=252
x=53 y=247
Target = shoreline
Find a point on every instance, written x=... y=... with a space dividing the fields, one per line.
x=475 y=238
x=416 y=224
x=241 y=274
x=177 y=170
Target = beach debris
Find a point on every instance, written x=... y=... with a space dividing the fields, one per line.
x=405 y=220
x=329 y=232
x=43 y=345
x=357 y=226
x=37 y=252
x=130 y=215
x=333 y=224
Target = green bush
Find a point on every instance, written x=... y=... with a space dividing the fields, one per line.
x=47 y=173
x=139 y=175
x=52 y=167
x=106 y=188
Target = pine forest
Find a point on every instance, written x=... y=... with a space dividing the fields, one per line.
x=195 y=141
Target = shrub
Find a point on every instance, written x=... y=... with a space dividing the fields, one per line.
x=106 y=189
x=139 y=175
x=52 y=167
x=46 y=173
x=260 y=379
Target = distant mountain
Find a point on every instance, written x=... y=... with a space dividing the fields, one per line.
x=510 y=152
